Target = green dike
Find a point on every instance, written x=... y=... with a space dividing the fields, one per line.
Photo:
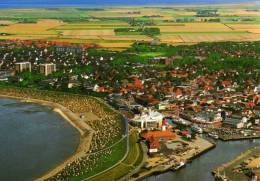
x=133 y=159
x=135 y=152
x=104 y=162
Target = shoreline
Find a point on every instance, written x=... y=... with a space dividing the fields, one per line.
x=218 y=172
x=240 y=138
x=170 y=167
x=86 y=133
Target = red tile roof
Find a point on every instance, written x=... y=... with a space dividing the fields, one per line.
x=178 y=92
x=157 y=134
x=226 y=83
x=154 y=143
x=185 y=133
x=138 y=84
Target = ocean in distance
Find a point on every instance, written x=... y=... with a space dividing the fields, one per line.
x=76 y=3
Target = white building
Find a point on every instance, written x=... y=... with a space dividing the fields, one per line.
x=148 y=120
x=23 y=66
x=47 y=68
x=257 y=89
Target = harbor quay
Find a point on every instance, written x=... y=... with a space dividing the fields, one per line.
x=246 y=166
x=174 y=155
x=229 y=134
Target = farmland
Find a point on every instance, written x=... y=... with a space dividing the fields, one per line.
x=177 y=24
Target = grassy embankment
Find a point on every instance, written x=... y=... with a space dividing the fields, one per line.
x=133 y=159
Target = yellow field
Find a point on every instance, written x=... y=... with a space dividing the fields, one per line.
x=94 y=25
x=196 y=27
x=109 y=37
x=125 y=12
x=254 y=31
x=171 y=39
x=88 y=32
x=115 y=45
x=194 y=38
x=128 y=37
x=5 y=22
x=40 y=28
x=28 y=37
x=253 y=28
x=241 y=12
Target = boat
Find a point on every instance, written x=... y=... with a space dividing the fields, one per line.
x=197 y=129
x=182 y=164
x=213 y=135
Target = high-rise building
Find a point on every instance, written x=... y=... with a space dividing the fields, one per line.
x=23 y=66
x=47 y=68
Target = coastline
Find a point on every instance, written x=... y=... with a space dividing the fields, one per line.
x=86 y=133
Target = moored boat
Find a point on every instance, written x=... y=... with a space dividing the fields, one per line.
x=213 y=135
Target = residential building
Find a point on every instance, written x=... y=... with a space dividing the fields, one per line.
x=47 y=68
x=23 y=66
x=161 y=60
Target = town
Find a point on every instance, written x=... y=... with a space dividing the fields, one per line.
x=179 y=100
